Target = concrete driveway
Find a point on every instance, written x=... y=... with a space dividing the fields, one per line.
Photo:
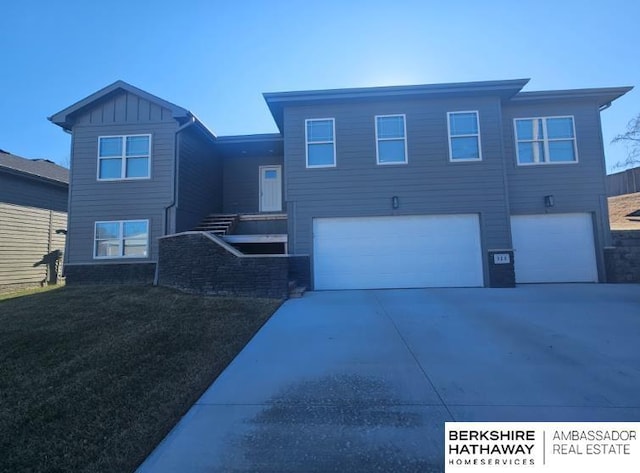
x=363 y=381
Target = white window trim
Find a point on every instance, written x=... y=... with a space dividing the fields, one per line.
x=404 y=138
x=477 y=135
x=545 y=140
x=121 y=239
x=123 y=157
x=306 y=143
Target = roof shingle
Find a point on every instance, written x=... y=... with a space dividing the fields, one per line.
x=41 y=168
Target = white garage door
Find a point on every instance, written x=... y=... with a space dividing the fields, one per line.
x=554 y=248
x=397 y=252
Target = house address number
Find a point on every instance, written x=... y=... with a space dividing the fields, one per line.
x=501 y=258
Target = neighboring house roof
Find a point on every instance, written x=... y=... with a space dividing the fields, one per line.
x=624 y=212
x=504 y=88
x=64 y=118
x=42 y=169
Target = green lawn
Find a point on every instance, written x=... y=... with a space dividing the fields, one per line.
x=92 y=378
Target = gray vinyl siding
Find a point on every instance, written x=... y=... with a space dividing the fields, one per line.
x=428 y=184
x=27 y=236
x=92 y=200
x=199 y=179
x=242 y=182
x=19 y=190
x=576 y=187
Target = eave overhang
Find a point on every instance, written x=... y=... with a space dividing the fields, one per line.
x=276 y=101
x=603 y=96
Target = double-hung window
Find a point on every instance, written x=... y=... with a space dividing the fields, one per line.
x=124 y=157
x=121 y=239
x=464 y=136
x=545 y=140
x=320 y=142
x=391 y=139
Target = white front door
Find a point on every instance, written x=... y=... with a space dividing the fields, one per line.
x=270 y=188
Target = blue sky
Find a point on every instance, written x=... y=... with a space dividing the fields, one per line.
x=217 y=57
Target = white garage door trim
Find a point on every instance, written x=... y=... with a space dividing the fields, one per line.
x=397 y=252
x=554 y=248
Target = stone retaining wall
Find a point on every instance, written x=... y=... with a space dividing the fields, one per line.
x=198 y=262
x=623 y=259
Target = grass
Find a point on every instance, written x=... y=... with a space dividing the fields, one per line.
x=11 y=294
x=92 y=378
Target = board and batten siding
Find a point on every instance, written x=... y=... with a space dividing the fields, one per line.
x=428 y=185
x=199 y=179
x=576 y=187
x=92 y=200
x=242 y=182
x=27 y=236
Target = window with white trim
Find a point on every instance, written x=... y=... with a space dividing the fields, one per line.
x=121 y=239
x=124 y=157
x=320 y=142
x=545 y=140
x=464 y=136
x=391 y=139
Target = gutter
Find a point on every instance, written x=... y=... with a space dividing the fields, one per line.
x=174 y=184
x=604 y=107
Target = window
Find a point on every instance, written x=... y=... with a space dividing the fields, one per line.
x=464 y=136
x=124 y=157
x=545 y=140
x=391 y=143
x=321 y=145
x=122 y=239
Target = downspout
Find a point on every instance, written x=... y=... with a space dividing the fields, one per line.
x=174 y=191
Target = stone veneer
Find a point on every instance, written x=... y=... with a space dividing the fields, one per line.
x=198 y=262
x=622 y=261
x=501 y=274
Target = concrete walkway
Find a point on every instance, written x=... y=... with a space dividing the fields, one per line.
x=363 y=381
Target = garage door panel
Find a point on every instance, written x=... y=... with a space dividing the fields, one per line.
x=554 y=248
x=401 y=251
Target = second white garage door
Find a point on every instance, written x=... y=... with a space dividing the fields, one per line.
x=554 y=248
x=397 y=252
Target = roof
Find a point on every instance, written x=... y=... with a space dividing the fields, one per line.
x=624 y=212
x=503 y=88
x=42 y=169
x=506 y=89
x=64 y=118
x=603 y=96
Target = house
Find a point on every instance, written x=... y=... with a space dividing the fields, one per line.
x=460 y=184
x=33 y=220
